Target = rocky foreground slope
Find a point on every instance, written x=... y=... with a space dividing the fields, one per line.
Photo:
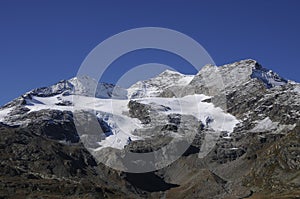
x=250 y=148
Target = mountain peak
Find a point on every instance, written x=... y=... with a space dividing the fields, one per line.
x=230 y=76
x=170 y=72
x=156 y=85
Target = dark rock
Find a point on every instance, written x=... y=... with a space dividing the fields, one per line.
x=64 y=103
x=148 y=182
x=174 y=119
x=170 y=127
x=140 y=111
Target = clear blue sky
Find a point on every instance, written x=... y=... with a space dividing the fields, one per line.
x=44 y=41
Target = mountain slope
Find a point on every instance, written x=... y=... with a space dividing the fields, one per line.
x=247 y=148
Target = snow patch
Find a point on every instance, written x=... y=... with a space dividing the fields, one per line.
x=4 y=113
x=264 y=125
x=268 y=77
x=297 y=89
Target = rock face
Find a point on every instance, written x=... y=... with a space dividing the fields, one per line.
x=44 y=156
x=34 y=166
x=213 y=80
x=277 y=167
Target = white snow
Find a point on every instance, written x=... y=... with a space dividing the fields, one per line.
x=115 y=113
x=40 y=103
x=86 y=94
x=193 y=105
x=112 y=111
x=269 y=77
x=185 y=80
x=297 y=89
x=264 y=125
x=4 y=113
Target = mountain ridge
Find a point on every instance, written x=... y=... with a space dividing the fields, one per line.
x=88 y=86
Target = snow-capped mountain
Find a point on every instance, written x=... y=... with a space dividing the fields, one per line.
x=113 y=112
x=110 y=101
x=245 y=147
x=84 y=86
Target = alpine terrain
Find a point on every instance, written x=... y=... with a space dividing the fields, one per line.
x=240 y=123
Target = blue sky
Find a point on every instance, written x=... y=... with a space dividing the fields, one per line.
x=44 y=41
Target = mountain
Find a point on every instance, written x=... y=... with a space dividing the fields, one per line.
x=236 y=125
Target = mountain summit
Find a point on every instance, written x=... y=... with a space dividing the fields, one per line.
x=241 y=122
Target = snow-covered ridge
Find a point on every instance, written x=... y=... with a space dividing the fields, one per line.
x=268 y=77
x=252 y=67
x=223 y=77
x=235 y=74
x=154 y=86
x=84 y=86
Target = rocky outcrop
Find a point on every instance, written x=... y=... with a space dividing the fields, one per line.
x=275 y=173
x=33 y=166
